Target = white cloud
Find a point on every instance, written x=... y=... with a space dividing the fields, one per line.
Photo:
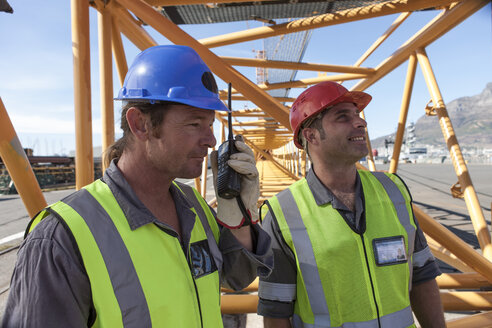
x=41 y=124
x=50 y=125
x=34 y=82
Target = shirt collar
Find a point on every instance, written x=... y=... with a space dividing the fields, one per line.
x=323 y=195
x=135 y=211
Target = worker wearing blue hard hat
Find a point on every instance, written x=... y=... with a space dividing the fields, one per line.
x=137 y=248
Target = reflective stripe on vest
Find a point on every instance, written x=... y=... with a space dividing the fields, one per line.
x=388 y=321
x=311 y=291
x=308 y=266
x=123 y=265
x=212 y=235
x=402 y=211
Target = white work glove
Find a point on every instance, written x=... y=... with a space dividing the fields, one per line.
x=243 y=162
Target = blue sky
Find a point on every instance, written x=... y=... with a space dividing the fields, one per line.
x=36 y=79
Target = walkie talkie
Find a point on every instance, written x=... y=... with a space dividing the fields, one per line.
x=228 y=180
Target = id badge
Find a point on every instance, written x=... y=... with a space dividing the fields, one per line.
x=389 y=250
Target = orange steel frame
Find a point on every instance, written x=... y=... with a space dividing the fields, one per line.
x=280 y=157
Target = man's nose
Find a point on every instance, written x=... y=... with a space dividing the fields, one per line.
x=360 y=122
x=210 y=140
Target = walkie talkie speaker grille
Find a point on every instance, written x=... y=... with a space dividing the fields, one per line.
x=228 y=180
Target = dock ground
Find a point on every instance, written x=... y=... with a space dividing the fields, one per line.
x=429 y=184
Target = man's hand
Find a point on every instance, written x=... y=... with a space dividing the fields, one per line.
x=243 y=162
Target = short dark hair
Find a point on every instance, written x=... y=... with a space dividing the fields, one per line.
x=313 y=123
x=156 y=113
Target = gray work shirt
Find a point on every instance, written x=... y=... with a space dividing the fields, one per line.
x=278 y=302
x=50 y=287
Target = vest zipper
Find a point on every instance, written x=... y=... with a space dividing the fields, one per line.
x=370 y=279
x=188 y=261
x=196 y=290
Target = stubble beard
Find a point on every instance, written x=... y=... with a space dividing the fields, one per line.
x=362 y=156
x=356 y=157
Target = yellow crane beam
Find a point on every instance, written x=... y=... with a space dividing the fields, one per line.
x=340 y=17
x=225 y=71
x=250 y=62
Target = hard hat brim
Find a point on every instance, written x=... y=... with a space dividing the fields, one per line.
x=201 y=102
x=358 y=98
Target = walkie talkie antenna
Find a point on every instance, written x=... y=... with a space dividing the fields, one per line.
x=229 y=113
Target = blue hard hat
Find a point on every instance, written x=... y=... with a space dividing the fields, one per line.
x=171 y=73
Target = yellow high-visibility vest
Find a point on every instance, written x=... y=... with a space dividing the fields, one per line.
x=142 y=278
x=344 y=277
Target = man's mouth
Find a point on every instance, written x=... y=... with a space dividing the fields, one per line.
x=357 y=138
x=197 y=155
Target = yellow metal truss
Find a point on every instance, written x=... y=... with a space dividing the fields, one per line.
x=278 y=161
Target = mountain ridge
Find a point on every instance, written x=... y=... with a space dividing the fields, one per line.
x=471 y=117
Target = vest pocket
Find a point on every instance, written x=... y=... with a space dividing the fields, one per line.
x=202 y=261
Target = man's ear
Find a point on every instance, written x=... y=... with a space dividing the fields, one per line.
x=310 y=135
x=137 y=122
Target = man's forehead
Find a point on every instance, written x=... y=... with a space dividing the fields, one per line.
x=345 y=106
x=190 y=111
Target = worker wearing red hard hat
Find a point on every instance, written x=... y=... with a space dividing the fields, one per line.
x=316 y=99
x=348 y=251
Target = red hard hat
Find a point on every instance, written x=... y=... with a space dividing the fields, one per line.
x=316 y=98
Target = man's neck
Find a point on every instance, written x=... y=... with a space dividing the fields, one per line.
x=340 y=180
x=151 y=187
x=337 y=178
x=144 y=179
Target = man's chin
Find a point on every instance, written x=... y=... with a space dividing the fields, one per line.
x=362 y=155
x=192 y=174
